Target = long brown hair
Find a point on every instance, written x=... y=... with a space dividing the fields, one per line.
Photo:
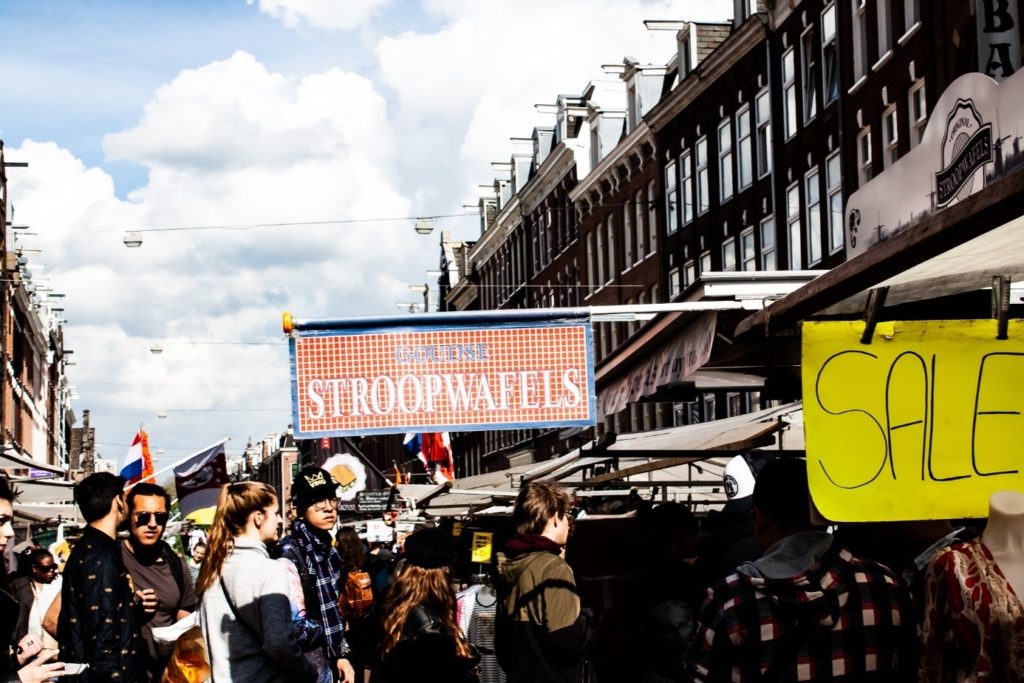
x=235 y=504
x=350 y=548
x=418 y=586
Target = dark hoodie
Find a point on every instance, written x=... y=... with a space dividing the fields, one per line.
x=542 y=633
x=810 y=611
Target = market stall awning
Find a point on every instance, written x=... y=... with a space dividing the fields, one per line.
x=46 y=512
x=32 y=491
x=699 y=441
x=12 y=459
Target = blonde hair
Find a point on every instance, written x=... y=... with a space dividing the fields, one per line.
x=415 y=585
x=234 y=506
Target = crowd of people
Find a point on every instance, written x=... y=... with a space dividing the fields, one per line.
x=801 y=603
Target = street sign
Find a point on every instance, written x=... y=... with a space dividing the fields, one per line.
x=374 y=501
x=923 y=423
x=480 y=371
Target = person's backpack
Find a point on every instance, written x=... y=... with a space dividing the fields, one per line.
x=356 y=598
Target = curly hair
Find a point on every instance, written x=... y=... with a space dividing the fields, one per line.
x=414 y=586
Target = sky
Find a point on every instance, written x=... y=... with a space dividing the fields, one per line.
x=216 y=114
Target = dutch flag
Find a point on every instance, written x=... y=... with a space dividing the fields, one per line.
x=138 y=464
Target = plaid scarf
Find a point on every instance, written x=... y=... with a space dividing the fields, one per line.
x=321 y=573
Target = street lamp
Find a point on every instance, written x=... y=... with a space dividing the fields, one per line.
x=132 y=239
x=409 y=307
x=425 y=290
x=156 y=349
x=424 y=226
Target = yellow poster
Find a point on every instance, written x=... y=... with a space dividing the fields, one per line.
x=482 y=547
x=923 y=423
x=457 y=529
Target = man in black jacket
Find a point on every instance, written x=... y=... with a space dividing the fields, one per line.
x=542 y=632
x=100 y=618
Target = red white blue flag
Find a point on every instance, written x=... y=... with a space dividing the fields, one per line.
x=138 y=464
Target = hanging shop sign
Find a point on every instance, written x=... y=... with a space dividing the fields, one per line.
x=374 y=501
x=487 y=370
x=482 y=548
x=973 y=138
x=676 y=360
x=998 y=37
x=925 y=422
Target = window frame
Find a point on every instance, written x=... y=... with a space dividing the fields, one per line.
x=671 y=198
x=794 y=227
x=834 y=198
x=627 y=235
x=599 y=229
x=652 y=219
x=609 y=222
x=767 y=228
x=675 y=283
x=726 y=179
x=865 y=168
x=918 y=124
x=641 y=230
x=702 y=176
x=890 y=136
x=883 y=24
x=748 y=257
x=763 y=132
x=686 y=185
x=812 y=216
x=730 y=263
x=809 y=75
x=744 y=150
x=789 y=108
x=861 y=62
x=829 y=56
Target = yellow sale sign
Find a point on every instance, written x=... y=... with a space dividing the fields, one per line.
x=483 y=544
x=923 y=423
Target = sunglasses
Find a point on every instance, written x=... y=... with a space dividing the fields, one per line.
x=47 y=569
x=142 y=518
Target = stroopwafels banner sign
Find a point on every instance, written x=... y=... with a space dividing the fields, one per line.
x=453 y=372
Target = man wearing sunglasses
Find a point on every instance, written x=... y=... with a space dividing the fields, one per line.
x=162 y=576
x=34 y=593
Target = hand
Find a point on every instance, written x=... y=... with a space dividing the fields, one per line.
x=149 y=600
x=345 y=671
x=38 y=670
x=29 y=647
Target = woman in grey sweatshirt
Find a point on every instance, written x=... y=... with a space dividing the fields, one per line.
x=246 y=613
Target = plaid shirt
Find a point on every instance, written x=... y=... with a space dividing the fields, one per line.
x=844 y=619
x=321 y=574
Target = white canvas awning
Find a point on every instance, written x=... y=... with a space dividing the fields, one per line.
x=46 y=512
x=44 y=491
x=11 y=459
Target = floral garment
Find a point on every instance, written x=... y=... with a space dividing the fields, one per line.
x=973 y=626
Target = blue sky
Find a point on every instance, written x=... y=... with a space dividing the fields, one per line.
x=193 y=113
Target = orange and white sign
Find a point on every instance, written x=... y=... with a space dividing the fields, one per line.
x=508 y=375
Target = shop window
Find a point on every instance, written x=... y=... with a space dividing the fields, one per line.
x=763 y=113
x=890 y=137
x=864 y=172
x=918 y=113
x=748 y=252
x=686 y=177
x=793 y=228
x=812 y=192
x=829 y=55
x=652 y=223
x=725 y=160
x=639 y=204
x=860 y=39
x=834 y=181
x=768 y=258
x=671 y=199
x=744 y=154
x=675 y=283
x=729 y=255
x=788 y=94
x=611 y=248
x=809 y=64
x=703 y=188
x=628 y=241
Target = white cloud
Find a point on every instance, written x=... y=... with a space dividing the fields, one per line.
x=225 y=144
x=474 y=82
x=324 y=14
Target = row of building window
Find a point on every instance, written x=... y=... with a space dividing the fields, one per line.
x=918 y=110
x=884 y=22
x=639 y=237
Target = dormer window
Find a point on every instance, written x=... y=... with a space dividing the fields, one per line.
x=686 y=53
